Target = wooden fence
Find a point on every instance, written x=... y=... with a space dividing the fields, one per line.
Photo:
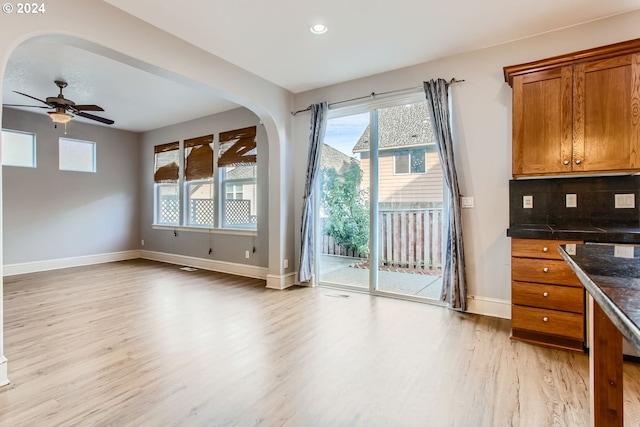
x=408 y=238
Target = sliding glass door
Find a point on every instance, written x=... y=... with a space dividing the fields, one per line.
x=344 y=206
x=381 y=203
x=409 y=203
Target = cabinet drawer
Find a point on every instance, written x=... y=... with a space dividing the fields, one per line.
x=534 y=248
x=543 y=271
x=570 y=325
x=565 y=298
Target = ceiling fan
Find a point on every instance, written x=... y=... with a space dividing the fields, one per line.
x=64 y=109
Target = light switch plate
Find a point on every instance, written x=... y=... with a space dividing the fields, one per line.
x=570 y=248
x=527 y=202
x=625 y=201
x=571 y=200
x=467 y=202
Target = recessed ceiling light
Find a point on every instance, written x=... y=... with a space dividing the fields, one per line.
x=318 y=29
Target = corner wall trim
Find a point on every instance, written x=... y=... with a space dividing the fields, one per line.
x=207 y=264
x=56 y=264
x=280 y=282
x=4 y=379
x=489 y=307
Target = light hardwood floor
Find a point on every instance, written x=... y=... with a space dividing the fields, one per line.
x=140 y=343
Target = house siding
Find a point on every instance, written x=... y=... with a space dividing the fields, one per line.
x=405 y=188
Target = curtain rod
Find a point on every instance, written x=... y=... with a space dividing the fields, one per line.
x=373 y=95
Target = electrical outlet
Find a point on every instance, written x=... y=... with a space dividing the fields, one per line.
x=625 y=201
x=623 y=251
x=142 y=242
x=527 y=202
x=286 y=263
x=246 y=254
x=571 y=200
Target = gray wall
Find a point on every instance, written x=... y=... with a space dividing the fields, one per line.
x=226 y=247
x=482 y=134
x=50 y=214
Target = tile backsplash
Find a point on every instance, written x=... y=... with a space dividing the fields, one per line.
x=595 y=200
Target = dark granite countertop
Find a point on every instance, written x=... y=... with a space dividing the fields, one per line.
x=586 y=233
x=611 y=274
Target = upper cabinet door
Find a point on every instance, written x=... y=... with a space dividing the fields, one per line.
x=542 y=122
x=607 y=114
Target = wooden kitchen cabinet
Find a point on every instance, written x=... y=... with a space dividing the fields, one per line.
x=547 y=299
x=577 y=113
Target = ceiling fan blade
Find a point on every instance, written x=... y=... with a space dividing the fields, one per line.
x=20 y=105
x=96 y=118
x=88 y=108
x=33 y=97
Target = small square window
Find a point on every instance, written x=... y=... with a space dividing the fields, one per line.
x=77 y=156
x=18 y=149
x=412 y=161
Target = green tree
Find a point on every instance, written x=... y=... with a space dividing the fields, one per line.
x=347 y=207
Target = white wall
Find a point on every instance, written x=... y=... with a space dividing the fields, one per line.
x=482 y=127
x=226 y=247
x=49 y=214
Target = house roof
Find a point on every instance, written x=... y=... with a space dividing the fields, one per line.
x=242 y=172
x=334 y=158
x=400 y=126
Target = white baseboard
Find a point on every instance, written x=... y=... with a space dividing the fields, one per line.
x=56 y=264
x=4 y=378
x=208 y=264
x=280 y=282
x=489 y=307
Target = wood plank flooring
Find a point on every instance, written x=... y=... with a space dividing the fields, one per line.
x=140 y=343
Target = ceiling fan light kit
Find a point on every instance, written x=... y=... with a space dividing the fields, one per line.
x=65 y=109
x=60 y=117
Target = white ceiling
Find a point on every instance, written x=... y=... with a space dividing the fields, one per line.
x=272 y=39
x=135 y=99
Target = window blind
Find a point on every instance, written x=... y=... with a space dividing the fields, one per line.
x=198 y=158
x=167 y=158
x=238 y=147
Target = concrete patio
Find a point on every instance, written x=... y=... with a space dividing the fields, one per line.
x=340 y=270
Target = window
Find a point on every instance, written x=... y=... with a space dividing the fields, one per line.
x=199 y=182
x=76 y=156
x=168 y=204
x=240 y=196
x=410 y=161
x=18 y=149
x=208 y=194
x=166 y=173
x=238 y=176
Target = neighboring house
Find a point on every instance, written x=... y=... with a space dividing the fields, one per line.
x=409 y=172
x=240 y=189
x=332 y=158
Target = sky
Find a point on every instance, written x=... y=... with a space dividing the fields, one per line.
x=343 y=132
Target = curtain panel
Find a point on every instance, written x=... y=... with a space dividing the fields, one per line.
x=316 y=136
x=454 y=284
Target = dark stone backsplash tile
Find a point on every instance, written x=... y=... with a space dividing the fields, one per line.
x=595 y=195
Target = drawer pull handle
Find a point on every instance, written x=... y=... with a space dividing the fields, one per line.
x=546 y=269
x=545 y=319
x=545 y=249
x=578 y=161
x=565 y=162
x=545 y=294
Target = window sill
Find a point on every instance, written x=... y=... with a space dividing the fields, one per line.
x=230 y=231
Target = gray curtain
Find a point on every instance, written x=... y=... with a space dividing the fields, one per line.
x=454 y=284
x=316 y=136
